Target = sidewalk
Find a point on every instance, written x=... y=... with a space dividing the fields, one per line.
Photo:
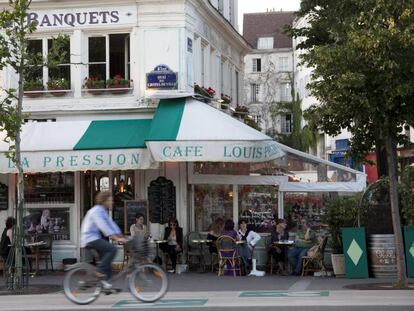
x=192 y=281
x=194 y=290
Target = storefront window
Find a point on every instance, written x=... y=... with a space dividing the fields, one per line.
x=258 y=206
x=54 y=221
x=49 y=188
x=123 y=190
x=210 y=202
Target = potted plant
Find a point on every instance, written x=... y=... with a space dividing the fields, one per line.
x=118 y=84
x=35 y=86
x=54 y=85
x=225 y=101
x=205 y=92
x=94 y=85
x=340 y=212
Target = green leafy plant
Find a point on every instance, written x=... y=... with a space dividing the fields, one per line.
x=94 y=83
x=33 y=85
x=340 y=212
x=406 y=191
x=118 y=81
x=60 y=84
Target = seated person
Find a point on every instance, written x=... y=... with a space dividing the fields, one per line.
x=7 y=238
x=305 y=239
x=278 y=253
x=214 y=233
x=229 y=229
x=174 y=235
x=139 y=228
x=251 y=238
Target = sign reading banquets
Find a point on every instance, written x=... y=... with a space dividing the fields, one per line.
x=162 y=78
x=83 y=17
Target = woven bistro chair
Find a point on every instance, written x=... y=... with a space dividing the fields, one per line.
x=228 y=254
x=315 y=263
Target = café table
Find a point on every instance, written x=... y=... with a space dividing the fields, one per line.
x=202 y=242
x=157 y=245
x=284 y=245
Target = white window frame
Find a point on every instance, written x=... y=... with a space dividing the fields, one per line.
x=255 y=65
x=107 y=54
x=285 y=90
x=284 y=63
x=254 y=92
x=265 y=43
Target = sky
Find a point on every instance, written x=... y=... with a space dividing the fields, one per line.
x=251 y=6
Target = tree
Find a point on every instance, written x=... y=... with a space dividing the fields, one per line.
x=363 y=60
x=302 y=137
x=14 y=54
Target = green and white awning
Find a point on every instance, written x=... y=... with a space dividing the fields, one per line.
x=187 y=130
x=81 y=145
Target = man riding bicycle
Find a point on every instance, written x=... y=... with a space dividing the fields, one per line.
x=95 y=224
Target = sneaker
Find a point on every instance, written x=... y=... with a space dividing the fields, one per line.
x=106 y=285
x=171 y=271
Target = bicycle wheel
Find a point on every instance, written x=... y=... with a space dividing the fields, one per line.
x=81 y=286
x=148 y=282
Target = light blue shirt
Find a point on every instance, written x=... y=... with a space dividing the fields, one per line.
x=97 y=220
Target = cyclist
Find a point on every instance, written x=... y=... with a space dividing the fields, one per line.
x=95 y=223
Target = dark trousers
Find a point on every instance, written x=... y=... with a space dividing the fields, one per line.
x=106 y=253
x=172 y=253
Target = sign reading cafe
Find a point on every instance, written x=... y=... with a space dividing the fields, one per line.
x=83 y=17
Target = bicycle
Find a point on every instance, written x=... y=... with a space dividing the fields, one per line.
x=147 y=281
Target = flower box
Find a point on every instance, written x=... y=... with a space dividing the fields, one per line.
x=58 y=86
x=94 y=85
x=33 y=86
x=118 y=84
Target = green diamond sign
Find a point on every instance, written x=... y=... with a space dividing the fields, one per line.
x=409 y=250
x=355 y=251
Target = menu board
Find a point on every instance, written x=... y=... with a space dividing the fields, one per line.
x=161 y=198
x=131 y=208
x=4 y=197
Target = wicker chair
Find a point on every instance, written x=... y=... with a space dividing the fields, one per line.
x=316 y=262
x=229 y=258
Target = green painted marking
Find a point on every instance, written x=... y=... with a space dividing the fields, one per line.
x=284 y=294
x=163 y=303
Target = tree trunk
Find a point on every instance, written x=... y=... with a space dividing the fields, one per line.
x=18 y=279
x=391 y=149
x=381 y=158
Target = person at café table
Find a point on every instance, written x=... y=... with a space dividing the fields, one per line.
x=229 y=229
x=139 y=228
x=278 y=233
x=173 y=234
x=250 y=237
x=305 y=239
x=215 y=232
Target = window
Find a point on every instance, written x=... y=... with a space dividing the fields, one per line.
x=211 y=202
x=287 y=124
x=109 y=56
x=254 y=92
x=257 y=65
x=283 y=63
x=203 y=62
x=55 y=221
x=49 y=188
x=285 y=95
x=265 y=43
x=237 y=87
x=43 y=47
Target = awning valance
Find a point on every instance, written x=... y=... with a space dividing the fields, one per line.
x=81 y=145
x=187 y=130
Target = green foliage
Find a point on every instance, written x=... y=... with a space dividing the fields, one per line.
x=33 y=85
x=94 y=83
x=364 y=68
x=59 y=84
x=301 y=138
x=117 y=81
x=340 y=212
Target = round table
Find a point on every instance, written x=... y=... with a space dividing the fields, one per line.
x=201 y=242
x=157 y=243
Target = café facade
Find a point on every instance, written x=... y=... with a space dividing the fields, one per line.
x=158 y=147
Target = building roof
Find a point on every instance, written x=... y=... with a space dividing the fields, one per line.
x=268 y=24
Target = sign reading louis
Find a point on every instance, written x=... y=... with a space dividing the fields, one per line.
x=162 y=78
